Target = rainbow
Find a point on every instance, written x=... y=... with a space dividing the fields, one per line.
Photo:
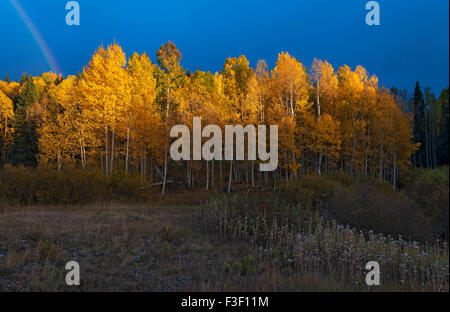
x=48 y=55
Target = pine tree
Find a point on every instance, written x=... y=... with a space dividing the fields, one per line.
x=25 y=140
x=443 y=158
x=419 y=125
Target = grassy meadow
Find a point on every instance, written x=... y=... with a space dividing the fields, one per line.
x=313 y=234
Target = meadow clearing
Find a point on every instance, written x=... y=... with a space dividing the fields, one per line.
x=245 y=241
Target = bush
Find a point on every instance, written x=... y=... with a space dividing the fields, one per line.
x=69 y=186
x=128 y=187
x=370 y=205
x=420 y=211
x=309 y=192
x=302 y=247
x=429 y=189
x=342 y=178
x=246 y=266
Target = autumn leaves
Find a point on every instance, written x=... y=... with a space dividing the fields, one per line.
x=234 y=141
x=6 y=122
x=118 y=113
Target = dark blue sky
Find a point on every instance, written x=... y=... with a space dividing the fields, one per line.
x=411 y=44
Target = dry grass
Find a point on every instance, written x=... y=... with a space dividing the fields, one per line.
x=303 y=244
x=151 y=247
x=159 y=246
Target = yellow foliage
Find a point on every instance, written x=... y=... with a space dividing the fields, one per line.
x=118 y=113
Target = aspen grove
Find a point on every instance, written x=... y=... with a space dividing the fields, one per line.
x=117 y=115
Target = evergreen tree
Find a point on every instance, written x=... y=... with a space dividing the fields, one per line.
x=24 y=78
x=25 y=141
x=7 y=79
x=431 y=118
x=443 y=133
x=419 y=110
x=401 y=97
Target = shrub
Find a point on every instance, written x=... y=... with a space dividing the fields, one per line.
x=43 y=185
x=429 y=188
x=47 y=250
x=342 y=178
x=309 y=192
x=375 y=206
x=123 y=186
x=420 y=211
x=320 y=246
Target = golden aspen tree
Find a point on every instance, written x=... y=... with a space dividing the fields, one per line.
x=393 y=137
x=351 y=87
x=253 y=114
x=121 y=112
x=236 y=75
x=63 y=130
x=44 y=85
x=262 y=88
x=368 y=110
x=290 y=93
x=6 y=123
x=104 y=89
x=11 y=90
x=402 y=141
x=220 y=102
x=262 y=77
x=198 y=102
x=141 y=120
x=383 y=125
x=360 y=117
x=324 y=82
x=171 y=78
